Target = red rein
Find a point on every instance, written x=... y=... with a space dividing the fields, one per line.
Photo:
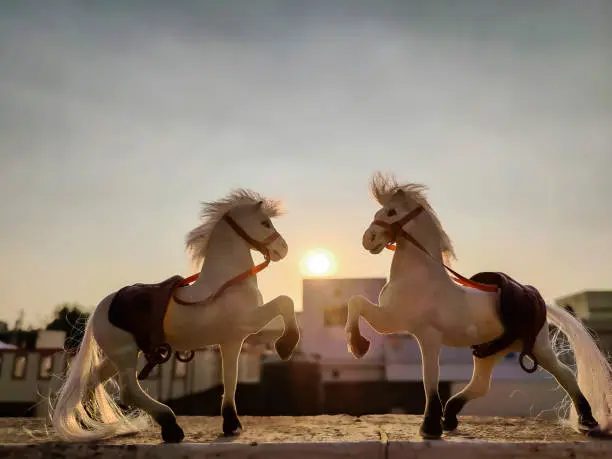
x=396 y=229
x=261 y=246
x=462 y=279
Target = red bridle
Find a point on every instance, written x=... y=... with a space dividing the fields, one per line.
x=396 y=229
x=260 y=246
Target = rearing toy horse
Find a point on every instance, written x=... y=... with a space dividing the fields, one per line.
x=490 y=312
x=223 y=306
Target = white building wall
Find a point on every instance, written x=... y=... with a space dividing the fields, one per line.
x=20 y=375
x=168 y=381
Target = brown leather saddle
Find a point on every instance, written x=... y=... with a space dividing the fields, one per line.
x=522 y=312
x=140 y=309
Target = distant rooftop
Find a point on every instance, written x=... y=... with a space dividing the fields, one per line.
x=587 y=303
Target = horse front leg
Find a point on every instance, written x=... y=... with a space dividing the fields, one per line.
x=379 y=318
x=430 y=343
x=279 y=306
x=230 y=352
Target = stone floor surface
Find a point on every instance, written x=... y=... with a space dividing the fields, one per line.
x=375 y=436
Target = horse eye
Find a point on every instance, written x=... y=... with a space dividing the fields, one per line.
x=266 y=223
x=391 y=213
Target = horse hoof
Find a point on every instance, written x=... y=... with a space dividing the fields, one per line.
x=431 y=430
x=587 y=423
x=231 y=423
x=451 y=410
x=450 y=423
x=231 y=429
x=286 y=344
x=594 y=431
x=358 y=345
x=172 y=433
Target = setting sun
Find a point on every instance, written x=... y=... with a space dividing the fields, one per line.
x=318 y=262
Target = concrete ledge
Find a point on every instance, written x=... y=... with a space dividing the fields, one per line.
x=377 y=436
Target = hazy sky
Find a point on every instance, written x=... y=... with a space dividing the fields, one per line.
x=117 y=118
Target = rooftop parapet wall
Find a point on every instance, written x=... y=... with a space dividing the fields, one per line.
x=376 y=436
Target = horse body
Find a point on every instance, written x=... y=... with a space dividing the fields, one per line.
x=472 y=317
x=188 y=327
x=421 y=299
x=222 y=307
x=412 y=297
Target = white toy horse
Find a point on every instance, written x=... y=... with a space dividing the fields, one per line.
x=223 y=306
x=421 y=299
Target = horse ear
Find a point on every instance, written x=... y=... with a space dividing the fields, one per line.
x=399 y=193
x=258 y=205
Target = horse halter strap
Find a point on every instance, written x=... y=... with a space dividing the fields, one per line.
x=397 y=229
x=257 y=245
x=260 y=246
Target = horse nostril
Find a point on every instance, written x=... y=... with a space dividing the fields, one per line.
x=372 y=237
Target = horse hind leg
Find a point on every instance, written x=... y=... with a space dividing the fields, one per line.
x=102 y=373
x=133 y=394
x=478 y=387
x=105 y=371
x=121 y=351
x=547 y=359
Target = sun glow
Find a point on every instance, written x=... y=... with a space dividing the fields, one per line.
x=318 y=262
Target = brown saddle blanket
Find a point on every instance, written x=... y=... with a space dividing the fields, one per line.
x=522 y=312
x=140 y=309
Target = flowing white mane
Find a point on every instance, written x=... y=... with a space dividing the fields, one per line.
x=383 y=187
x=197 y=239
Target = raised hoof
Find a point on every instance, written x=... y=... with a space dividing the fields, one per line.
x=172 y=433
x=358 y=345
x=449 y=424
x=431 y=430
x=231 y=423
x=286 y=343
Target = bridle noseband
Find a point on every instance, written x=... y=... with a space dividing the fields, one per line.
x=396 y=228
x=260 y=246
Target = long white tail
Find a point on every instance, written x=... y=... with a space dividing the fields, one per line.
x=80 y=415
x=594 y=373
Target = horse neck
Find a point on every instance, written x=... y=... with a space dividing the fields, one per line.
x=227 y=256
x=411 y=261
x=424 y=277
